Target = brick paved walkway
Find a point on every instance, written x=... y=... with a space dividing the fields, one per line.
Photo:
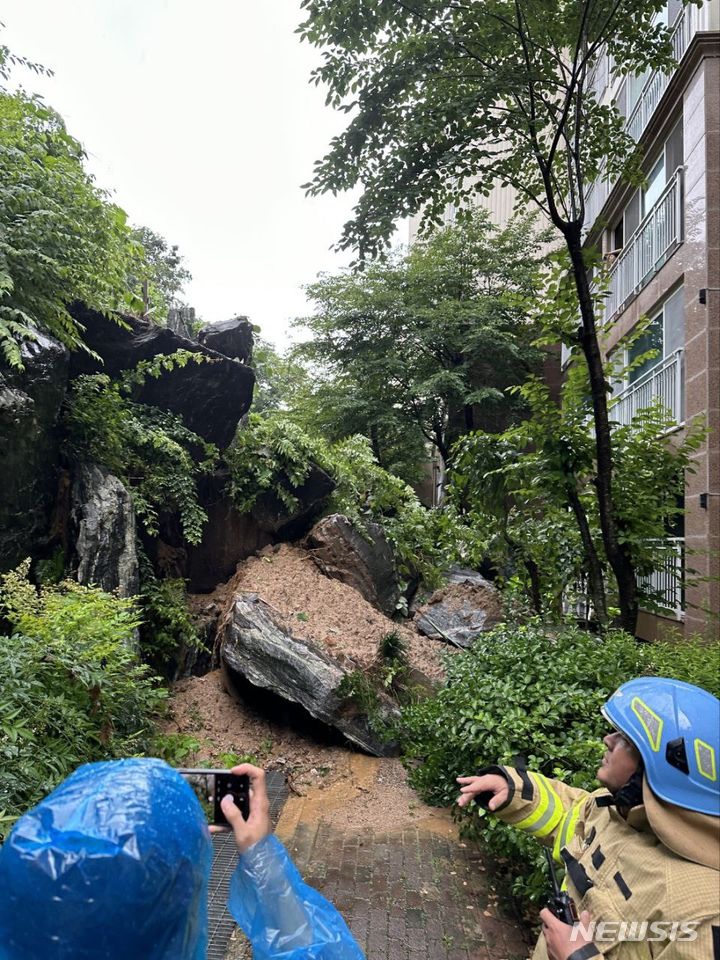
x=408 y=889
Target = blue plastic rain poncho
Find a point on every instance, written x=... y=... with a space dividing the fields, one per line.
x=115 y=863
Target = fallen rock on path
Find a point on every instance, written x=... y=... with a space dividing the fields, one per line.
x=269 y=657
x=460 y=611
x=327 y=612
x=361 y=559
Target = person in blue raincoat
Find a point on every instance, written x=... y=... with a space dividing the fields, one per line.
x=114 y=865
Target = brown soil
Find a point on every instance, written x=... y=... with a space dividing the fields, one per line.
x=328 y=612
x=313 y=607
x=202 y=708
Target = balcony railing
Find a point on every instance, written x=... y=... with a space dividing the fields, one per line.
x=665 y=585
x=664 y=382
x=666 y=582
x=690 y=20
x=648 y=248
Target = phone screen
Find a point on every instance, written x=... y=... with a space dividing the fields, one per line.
x=210 y=786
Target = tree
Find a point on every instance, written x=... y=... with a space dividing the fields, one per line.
x=428 y=341
x=159 y=274
x=278 y=378
x=60 y=238
x=537 y=477
x=447 y=97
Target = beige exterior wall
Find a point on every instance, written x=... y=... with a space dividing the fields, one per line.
x=694 y=95
x=500 y=203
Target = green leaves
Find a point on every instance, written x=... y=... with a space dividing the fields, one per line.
x=71 y=688
x=160 y=268
x=530 y=690
x=150 y=450
x=273 y=454
x=60 y=237
x=444 y=103
x=422 y=346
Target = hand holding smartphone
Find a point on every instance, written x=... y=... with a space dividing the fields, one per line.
x=210 y=786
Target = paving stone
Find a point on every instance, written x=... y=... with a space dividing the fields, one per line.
x=408 y=895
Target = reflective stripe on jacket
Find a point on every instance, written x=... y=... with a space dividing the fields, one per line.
x=618 y=870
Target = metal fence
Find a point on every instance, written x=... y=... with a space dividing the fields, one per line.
x=666 y=583
x=663 y=382
x=690 y=20
x=647 y=249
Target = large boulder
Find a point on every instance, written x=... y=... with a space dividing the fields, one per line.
x=233 y=338
x=297 y=670
x=104 y=517
x=210 y=397
x=362 y=560
x=30 y=402
x=285 y=523
x=457 y=613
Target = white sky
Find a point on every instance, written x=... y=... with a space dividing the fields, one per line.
x=200 y=119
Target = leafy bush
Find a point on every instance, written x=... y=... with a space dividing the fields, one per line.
x=150 y=450
x=175 y=748
x=425 y=542
x=527 y=690
x=71 y=688
x=273 y=454
x=61 y=239
x=166 y=629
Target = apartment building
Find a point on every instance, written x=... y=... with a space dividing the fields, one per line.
x=662 y=242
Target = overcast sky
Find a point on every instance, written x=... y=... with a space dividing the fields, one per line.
x=200 y=119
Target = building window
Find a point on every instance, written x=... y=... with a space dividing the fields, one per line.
x=643 y=200
x=665 y=334
x=658 y=376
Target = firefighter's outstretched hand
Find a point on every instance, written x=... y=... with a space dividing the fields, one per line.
x=494 y=787
x=558 y=936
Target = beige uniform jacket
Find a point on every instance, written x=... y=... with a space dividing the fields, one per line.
x=618 y=869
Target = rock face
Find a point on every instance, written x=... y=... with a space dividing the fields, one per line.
x=362 y=562
x=228 y=537
x=106 y=546
x=233 y=338
x=209 y=397
x=457 y=613
x=181 y=321
x=30 y=402
x=274 y=517
x=269 y=658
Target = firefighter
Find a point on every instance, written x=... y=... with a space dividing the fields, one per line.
x=642 y=854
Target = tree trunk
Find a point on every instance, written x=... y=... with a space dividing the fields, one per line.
x=616 y=552
x=535 y=593
x=595 y=576
x=375 y=443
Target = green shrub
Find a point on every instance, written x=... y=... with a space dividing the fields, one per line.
x=150 y=450
x=71 y=688
x=530 y=691
x=273 y=454
x=175 y=748
x=166 y=630
x=691 y=660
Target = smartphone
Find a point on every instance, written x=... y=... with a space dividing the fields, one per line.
x=211 y=786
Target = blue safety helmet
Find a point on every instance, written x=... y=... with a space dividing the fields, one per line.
x=114 y=864
x=676 y=728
